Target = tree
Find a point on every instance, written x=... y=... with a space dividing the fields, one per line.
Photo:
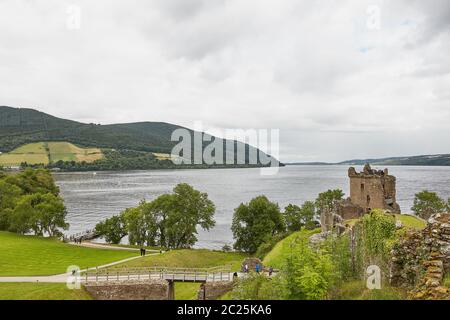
x=170 y=220
x=427 y=203
x=187 y=209
x=51 y=214
x=141 y=224
x=254 y=223
x=298 y=217
x=9 y=195
x=112 y=229
x=41 y=213
x=328 y=200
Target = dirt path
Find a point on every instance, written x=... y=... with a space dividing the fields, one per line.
x=94 y=245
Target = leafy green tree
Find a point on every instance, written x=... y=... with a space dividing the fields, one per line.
x=170 y=221
x=41 y=213
x=254 y=223
x=298 y=217
x=141 y=224
x=292 y=217
x=188 y=208
x=112 y=229
x=34 y=181
x=51 y=214
x=427 y=203
x=20 y=217
x=160 y=209
x=9 y=195
x=328 y=200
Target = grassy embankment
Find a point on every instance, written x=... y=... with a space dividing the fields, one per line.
x=30 y=255
x=282 y=249
x=36 y=256
x=49 y=152
x=40 y=291
x=188 y=258
x=352 y=290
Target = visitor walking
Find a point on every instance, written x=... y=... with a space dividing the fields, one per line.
x=270 y=271
x=246 y=268
x=257 y=268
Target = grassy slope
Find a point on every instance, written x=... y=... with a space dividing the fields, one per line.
x=45 y=152
x=185 y=258
x=34 y=256
x=186 y=290
x=68 y=152
x=33 y=153
x=281 y=250
x=40 y=291
x=357 y=290
x=410 y=221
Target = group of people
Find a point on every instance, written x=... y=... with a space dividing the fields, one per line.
x=143 y=252
x=258 y=269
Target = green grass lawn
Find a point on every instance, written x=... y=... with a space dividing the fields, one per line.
x=36 y=256
x=40 y=291
x=186 y=290
x=282 y=249
x=410 y=221
x=189 y=258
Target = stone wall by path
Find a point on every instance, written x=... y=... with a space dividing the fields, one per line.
x=214 y=290
x=422 y=258
x=129 y=290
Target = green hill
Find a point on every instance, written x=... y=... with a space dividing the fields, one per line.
x=19 y=126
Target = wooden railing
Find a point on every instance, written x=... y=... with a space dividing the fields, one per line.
x=222 y=273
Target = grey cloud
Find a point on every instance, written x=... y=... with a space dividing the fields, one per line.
x=293 y=65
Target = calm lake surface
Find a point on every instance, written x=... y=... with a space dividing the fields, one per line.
x=91 y=197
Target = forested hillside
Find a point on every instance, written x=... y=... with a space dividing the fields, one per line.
x=19 y=126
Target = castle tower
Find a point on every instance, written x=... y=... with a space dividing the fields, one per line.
x=373 y=189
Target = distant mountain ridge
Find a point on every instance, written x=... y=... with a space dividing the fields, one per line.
x=422 y=160
x=19 y=126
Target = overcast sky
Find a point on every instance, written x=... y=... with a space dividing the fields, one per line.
x=340 y=79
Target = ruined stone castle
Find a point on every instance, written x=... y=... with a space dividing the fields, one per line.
x=369 y=189
x=373 y=189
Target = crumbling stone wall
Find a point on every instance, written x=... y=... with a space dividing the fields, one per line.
x=129 y=290
x=214 y=290
x=373 y=189
x=422 y=258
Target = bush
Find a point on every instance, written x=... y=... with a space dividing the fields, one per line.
x=259 y=287
x=309 y=273
x=428 y=203
x=375 y=234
